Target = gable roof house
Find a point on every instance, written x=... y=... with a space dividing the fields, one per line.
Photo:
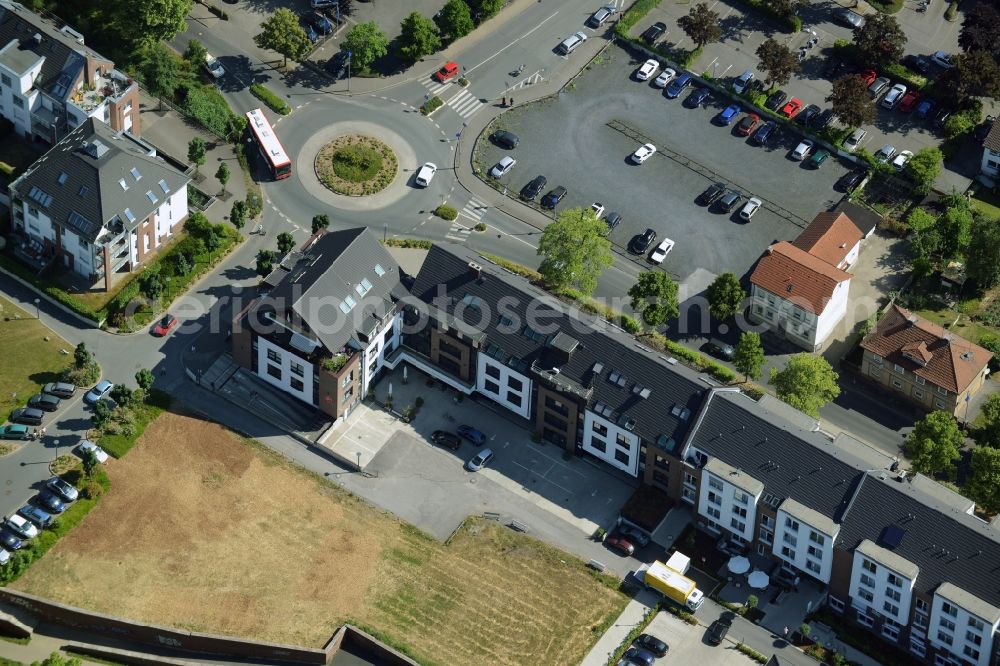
x=50 y=81
x=800 y=288
x=923 y=362
x=99 y=203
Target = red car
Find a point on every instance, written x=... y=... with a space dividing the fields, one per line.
x=619 y=544
x=868 y=76
x=748 y=124
x=793 y=107
x=909 y=102
x=165 y=325
x=449 y=70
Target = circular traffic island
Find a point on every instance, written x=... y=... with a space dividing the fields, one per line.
x=356 y=165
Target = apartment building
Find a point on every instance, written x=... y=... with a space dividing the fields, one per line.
x=923 y=362
x=325 y=322
x=51 y=82
x=99 y=203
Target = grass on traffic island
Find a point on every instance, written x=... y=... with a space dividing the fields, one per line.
x=271 y=98
x=356 y=165
x=285 y=555
x=431 y=105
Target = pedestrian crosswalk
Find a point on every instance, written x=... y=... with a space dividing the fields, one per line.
x=474 y=210
x=457 y=233
x=463 y=102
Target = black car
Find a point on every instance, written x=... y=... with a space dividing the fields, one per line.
x=917 y=63
x=941 y=117
x=49 y=501
x=712 y=194
x=718 y=630
x=612 y=220
x=697 y=98
x=27 y=416
x=10 y=541
x=44 y=401
x=983 y=129
x=850 y=180
x=534 y=186
x=821 y=120
x=776 y=100
x=641 y=242
x=449 y=440
x=764 y=132
x=505 y=139
x=553 y=197
x=654 y=32
x=806 y=115
x=652 y=644
x=634 y=534
x=321 y=22
x=730 y=200
x=336 y=65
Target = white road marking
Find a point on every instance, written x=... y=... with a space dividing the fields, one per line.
x=475 y=67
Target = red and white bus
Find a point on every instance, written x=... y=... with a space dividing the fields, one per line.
x=268 y=145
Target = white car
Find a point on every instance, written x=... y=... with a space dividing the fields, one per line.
x=214 y=67
x=99 y=453
x=426 y=174
x=598 y=209
x=665 y=77
x=902 y=159
x=4 y=556
x=661 y=251
x=892 y=97
x=750 y=207
x=643 y=153
x=647 y=70
x=21 y=526
x=503 y=167
x=942 y=59
x=802 y=150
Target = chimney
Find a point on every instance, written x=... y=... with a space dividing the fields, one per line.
x=37 y=38
x=476 y=270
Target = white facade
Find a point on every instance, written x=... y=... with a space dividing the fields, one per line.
x=795 y=323
x=17 y=98
x=806 y=547
x=37 y=224
x=81 y=251
x=503 y=385
x=881 y=589
x=172 y=211
x=374 y=355
x=732 y=506
x=963 y=633
x=990 y=165
x=611 y=443
x=289 y=372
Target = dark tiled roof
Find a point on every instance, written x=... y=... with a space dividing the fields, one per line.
x=500 y=293
x=948 y=545
x=993 y=138
x=77 y=183
x=63 y=57
x=789 y=461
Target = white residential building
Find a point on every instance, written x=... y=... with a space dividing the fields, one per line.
x=963 y=624
x=728 y=499
x=804 y=538
x=882 y=582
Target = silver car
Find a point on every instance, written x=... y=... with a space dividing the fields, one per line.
x=480 y=460
x=854 y=141
x=503 y=167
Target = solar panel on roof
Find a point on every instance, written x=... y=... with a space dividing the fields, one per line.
x=892 y=536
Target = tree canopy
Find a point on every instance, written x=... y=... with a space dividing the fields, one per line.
x=701 y=24
x=980 y=28
x=455 y=20
x=143 y=23
x=725 y=296
x=574 y=250
x=933 y=445
x=880 y=39
x=924 y=168
x=984 y=482
x=850 y=101
x=748 y=356
x=777 y=60
x=418 y=37
x=366 y=43
x=283 y=33
x=806 y=383
x=982 y=258
x=654 y=296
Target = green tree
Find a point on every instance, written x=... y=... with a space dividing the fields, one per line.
x=144 y=23
x=90 y=462
x=787 y=8
x=122 y=395
x=925 y=237
x=777 y=60
x=255 y=205
x=56 y=659
x=574 y=250
x=982 y=258
x=933 y=444
x=484 y=10
x=366 y=43
x=195 y=53
x=151 y=283
x=924 y=168
x=196 y=153
x=748 y=356
x=979 y=29
x=654 y=296
x=955 y=227
x=880 y=39
x=975 y=74
x=145 y=378
x=283 y=33
x=850 y=101
x=321 y=221
x=455 y=20
x=265 y=262
x=286 y=243
x=701 y=24
x=418 y=37
x=82 y=356
x=987 y=427
x=238 y=214
x=222 y=175
x=160 y=71
x=806 y=383
x=984 y=482
x=725 y=296
x=101 y=414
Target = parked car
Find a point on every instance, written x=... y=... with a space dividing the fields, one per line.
x=612 y=220
x=634 y=534
x=598 y=18
x=21 y=526
x=87 y=446
x=505 y=139
x=878 y=86
x=748 y=124
x=45 y=402
x=472 y=434
x=598 y=208
x=654 y=32
x=643 y=153
x=764 y=132
x=678 y=85
x=449 y=440
x=652 y=644
x=665 y=77
x=942 y=59
x=868 y=76
x=59 y=389
x=99 y=392
x=35 y=514
x=822 y=119
x=503 y=167
x=894 y=96
x=15 y=431
x=49 y=501
x=940 y=118
x=661 y=251
x=63 y=488
x=727 y=114
x=322 y=23
x=640 y=657
x=775 y=100
x=899 y=163
x=820 y=156
x=791 y=109
x=533 y=187
x=805 y=116
x=909 y=101
x=885 y=153
x=4 y=556
x=802 y=150
x=647 y=69
x=571 y=43
x=718 y=630
x=618 y=543
x=712 y=194
x=750 y=208
x=849 y=18
x=924 y=109
x=27 y=416
x=641 y=242
x=696 y=98
x=850 y=180
x=447 y=71
x=983 y=129
x=10 y=541
x=214 y=67
x=730 y=200
x=743 y=81
x=165 y=325
x=854 y=141
x=553 y=197
x=480 y=460
x=917 y=64
x=335 y=65
x=426 y=174
x=720 y=349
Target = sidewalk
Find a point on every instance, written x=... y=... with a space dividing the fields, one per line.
x=633 y=614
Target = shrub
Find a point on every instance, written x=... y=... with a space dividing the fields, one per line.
x=271 y=98
x=630 y=324
x=951 y=13
x=480 y=226
x=431 y=105
x=638 y=10
x=750 y=652
x=417 y=243
x=446 y=212
x=905 y=75
x=991 y=342
x=209 y=108
x=357 y=163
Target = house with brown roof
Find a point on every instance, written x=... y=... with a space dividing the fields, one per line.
x=990 y=165
x=923 y=362
x=799 y=289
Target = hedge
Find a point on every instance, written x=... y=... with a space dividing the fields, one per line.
x=207 y=105
x=633 y=15
x=271 y=98
x=431 y=105
x=446 y=212
x=417 y=243
x=634 y=634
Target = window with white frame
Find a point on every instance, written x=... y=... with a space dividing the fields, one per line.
x=766 y=536
x=715 y=513
x=892 y=594
x=766 y=521
x=792 y=524
x=921 y=380
x=836 y=604
x=890 y=608
x=817 y=538
x=942 y=390
x=867 y=581
x=877 y=359
x=714 y=499
x=738 y=525
x=714 y=483
x=947 y=624
x=740 y=511
x=865 y=594
x=865 y=621
x=917 y=646
x=813 y=566
x=689 y=480
x=948 y=609
x=788 y=552
x=868 y=565
x=897 y=368
x=891 y=632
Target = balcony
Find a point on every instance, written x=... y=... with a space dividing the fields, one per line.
x=112 y=86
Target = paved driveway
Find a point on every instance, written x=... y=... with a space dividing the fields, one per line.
x=582 y=140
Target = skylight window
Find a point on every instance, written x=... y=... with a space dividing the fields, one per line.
x=472 y=301
x=135 y=173
x=82 y=191
x=364 y=287
x=152 y=197
x=348 y=304
x=164 y=187
x=40 y=197
x=62 y=177
x=130 y=215
x=121 y=181
x=379 y=271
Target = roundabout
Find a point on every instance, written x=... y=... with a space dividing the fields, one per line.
x=356 y=165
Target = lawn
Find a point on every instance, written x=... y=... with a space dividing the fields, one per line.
x=987 y=202
x=965 y=326
x=205 y=531
x=29 y=359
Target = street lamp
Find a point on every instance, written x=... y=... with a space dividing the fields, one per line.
x=37 y=315
x=56 y=442
x=358 y=453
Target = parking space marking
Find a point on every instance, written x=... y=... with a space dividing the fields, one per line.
x=527 y=469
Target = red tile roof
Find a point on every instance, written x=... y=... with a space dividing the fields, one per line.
x=830 y=236
x=797 y=276
x=927 y=350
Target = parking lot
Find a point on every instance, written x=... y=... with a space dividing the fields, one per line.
x=583 y=139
